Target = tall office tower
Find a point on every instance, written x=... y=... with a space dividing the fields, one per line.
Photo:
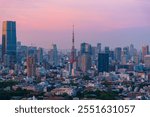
x=147 y=61
x=86 y=53
x=55 y=55
x=40 y=55
x=126 y=52
x=9 y=42
x=72 y=58
x=99 y=46
x=93 y=57
x=118 y=54
x=145 y=51
x=125 y=55
x=111 y=55
x=93 y=52
x=85 y=62
x=136 y=57
x=103 y=62
x=86 y=48
x=31 y=66
x=107 y=50
x=131 y=51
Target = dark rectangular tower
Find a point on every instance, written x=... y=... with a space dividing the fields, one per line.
x=9 y=42
x=103 y=62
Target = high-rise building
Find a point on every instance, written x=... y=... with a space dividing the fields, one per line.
x=55 y=55
x=147 y=61
x=93 y=52
x=99 y=46
x=111 y=55
x=85 y=62
x=86 y=55
x=125 y=55
x=86 y=48
x=118 y=54
x=9 y=42
x=132 y=50
x=40 y=55
x=107 y=50
x=103 y=62
x=126 y=52
x=145 y=51
x=31 y=66
x=93 y=57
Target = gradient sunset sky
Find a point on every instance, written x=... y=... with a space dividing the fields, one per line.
x=110 y=22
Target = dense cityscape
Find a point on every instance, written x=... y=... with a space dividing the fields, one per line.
x=89 y=73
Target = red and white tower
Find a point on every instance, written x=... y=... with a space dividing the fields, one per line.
x=72 y=58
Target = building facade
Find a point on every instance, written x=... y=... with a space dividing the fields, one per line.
x=9 y=42
x=103 y=62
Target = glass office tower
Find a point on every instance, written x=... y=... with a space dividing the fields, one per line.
x=9 y=43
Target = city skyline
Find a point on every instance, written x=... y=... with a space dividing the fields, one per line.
x=44 y=23
x=91 y=73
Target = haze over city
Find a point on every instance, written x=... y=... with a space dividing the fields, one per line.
x=44 y=22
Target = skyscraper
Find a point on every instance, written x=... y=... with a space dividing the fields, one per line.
x=145 y=51
x=55 y=55
x=85 y=62
x=118 y=54
x=103 y=62
x=40 y=55
x=86 y=53
x=86 y=48
x=132 y=50
x=9 y=42
x=111 y=55
x=31 y=66
x=107 y=50
x=125 y=55
x=99 y=46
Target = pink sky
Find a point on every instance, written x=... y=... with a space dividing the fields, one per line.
x=43 y=22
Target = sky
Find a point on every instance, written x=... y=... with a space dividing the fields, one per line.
x=113 y=23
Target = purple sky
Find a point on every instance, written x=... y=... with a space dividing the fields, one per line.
x=111 y=22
